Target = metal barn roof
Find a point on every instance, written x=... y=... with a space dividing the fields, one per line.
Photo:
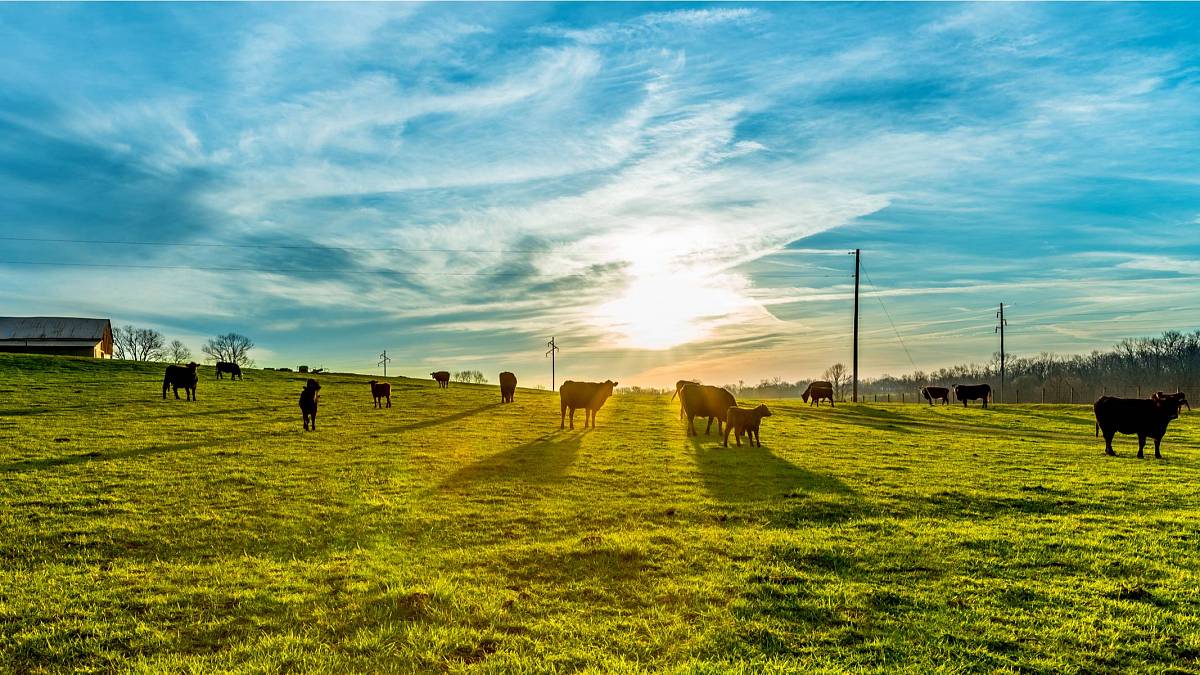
x=51 y=328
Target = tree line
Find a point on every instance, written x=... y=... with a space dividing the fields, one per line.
x=1134 y=368
x=132 y=343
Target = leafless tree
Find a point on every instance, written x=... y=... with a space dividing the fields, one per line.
x=470 y=376
x=231 y=347
x=836 y=375
x=138 y=344
x=178 y=352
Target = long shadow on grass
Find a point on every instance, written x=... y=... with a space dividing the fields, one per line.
x=439 y=420
x=756 y=475
x=542 y=460
x=70 y=460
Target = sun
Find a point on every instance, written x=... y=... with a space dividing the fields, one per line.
x=662 y=311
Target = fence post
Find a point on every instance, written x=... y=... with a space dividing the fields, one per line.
x=1139 y=391
x=1072 y=399
x=889 y=397
x=902 y=397
x=1017 y=395
x=877 y=398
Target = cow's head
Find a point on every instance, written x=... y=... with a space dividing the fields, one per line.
x=373 y=382
x=313 y=385
x=805 y=394
x=1170 y=403
x=192 y=366
x=762 y=411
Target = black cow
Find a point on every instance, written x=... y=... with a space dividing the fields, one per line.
x=703 y=400
x=181 y=377
x=1148 y=418
x=818 y=390
x=234 y=370
x=970 y=392
x=932 y=394
x=309 y=398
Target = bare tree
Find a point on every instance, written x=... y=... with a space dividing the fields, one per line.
x=138 y=344
x=470 y=376
x=232 y=348
x=178 y=352
x=478 y=378
x=836 y=375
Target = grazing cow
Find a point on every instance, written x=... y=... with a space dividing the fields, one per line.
x=587 y=395
x=702 y=400
x=234 y=370
x=508 y=386
x=183 y=377
x=309 y=398
x=818 y=390
x=932 y=394
x=380 y=391
x=678 y=387
x=442 y=377
x=970 y=392
x=1148 y=418
x=742 y=421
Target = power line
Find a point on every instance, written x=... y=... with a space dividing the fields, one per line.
x=310 y=270
x=889 y=318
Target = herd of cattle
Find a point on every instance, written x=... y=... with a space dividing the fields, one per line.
x=1144 y=418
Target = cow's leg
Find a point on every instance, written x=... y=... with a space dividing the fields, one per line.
x=1157 y=454
x=757 y=438
x=691 y=430
x=562 y=421
x=572 y=417
x=389 y=400
x=305 y=416
x=831 y=402
x=728 y=428
x=314 y=420
x=708 y=427
x=1141 y=446
x=1108 y=439
x=737 y=436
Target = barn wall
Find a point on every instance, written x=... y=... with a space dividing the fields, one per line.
x=93 y=351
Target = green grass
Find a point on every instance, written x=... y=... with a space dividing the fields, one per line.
x=452 y=533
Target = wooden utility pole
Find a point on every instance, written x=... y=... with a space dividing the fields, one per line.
x=553 y=349
x=854 y=390
x=1000 y=330
x=383 y=361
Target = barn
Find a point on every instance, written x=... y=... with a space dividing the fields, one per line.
x=64 y=336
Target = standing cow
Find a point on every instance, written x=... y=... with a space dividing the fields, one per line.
x=932 y=394
x=701 y=400
x=741 y=421
x=381 y=391
x=442 y=377
x=818 y=390
x=181 y=377
x=587 y=395
x=234 y=370
x=309 y=398
x=508 y=386
x=678 y=388
x=971 y=392
x=1148 y=418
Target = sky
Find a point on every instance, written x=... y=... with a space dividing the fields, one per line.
x=669 y=190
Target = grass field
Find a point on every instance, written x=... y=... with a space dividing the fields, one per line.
x=452 y=533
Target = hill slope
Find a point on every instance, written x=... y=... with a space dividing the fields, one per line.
x=452 y=532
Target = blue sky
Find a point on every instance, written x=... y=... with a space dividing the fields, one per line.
x=668 y=189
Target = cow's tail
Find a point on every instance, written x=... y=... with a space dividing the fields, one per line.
x=1097 y=427
x=676 y=393
x=166 y=384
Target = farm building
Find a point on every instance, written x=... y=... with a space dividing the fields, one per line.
x=56 y=335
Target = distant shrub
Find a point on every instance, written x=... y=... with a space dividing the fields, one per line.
x=303 y=369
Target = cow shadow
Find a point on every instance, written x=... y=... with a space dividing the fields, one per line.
x=545 y=459
x=454 y=417
x=23 y=466
x=752 y=474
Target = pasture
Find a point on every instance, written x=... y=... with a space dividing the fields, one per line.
x=453 y=533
